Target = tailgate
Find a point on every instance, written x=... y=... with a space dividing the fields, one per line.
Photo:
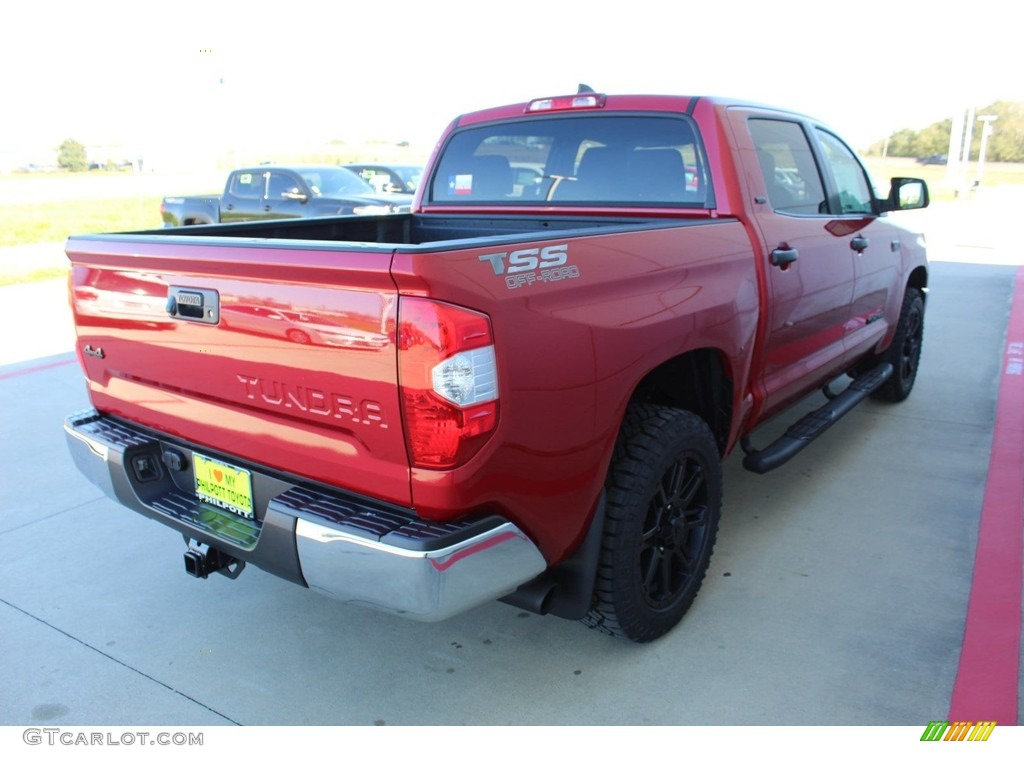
x=279 y=354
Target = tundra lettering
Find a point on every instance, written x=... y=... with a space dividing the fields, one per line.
x=314 y=401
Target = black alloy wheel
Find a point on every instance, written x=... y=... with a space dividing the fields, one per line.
x=663 y=501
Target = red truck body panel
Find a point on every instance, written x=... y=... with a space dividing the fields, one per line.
x=570 y=356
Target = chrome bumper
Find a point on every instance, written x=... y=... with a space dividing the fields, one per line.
x=354 y=550
x=429 y=585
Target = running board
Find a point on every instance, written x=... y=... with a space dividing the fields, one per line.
x=811 y=426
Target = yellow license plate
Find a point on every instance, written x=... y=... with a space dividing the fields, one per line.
x=221 y=484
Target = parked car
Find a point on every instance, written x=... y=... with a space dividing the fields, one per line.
x=300 y=326
x=283 y=192
x=389 y=178
x=933 y=160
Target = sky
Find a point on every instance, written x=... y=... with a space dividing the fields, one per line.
x=192 y=76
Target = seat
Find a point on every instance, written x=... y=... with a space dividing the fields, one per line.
x=658 y=175
x=780 y=197
x=601 y=176
x=492 y=177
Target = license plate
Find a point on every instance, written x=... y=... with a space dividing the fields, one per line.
x=221 y=484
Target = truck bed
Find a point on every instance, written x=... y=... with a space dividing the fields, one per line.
x=402 y=230
x=296 y=370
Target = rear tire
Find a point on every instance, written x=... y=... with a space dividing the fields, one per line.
x=904 y=354
x=664 y=497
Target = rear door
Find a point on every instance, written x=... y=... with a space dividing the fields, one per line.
x=243 y=196
x=807 y=261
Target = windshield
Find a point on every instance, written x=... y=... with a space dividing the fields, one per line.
x=332 y=182
x=628 y=160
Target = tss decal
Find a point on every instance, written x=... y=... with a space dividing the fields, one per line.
x=532 y=265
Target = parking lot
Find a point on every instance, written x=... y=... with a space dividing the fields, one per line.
x=838 y=593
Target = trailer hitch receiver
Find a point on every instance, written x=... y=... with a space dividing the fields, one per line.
x=201 y=560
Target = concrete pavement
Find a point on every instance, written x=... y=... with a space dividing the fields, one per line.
x=837 y=594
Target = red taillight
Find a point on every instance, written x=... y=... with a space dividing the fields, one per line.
x=449 y=382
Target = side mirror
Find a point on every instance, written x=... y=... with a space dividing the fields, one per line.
x=906 y=195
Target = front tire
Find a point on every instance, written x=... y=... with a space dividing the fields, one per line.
x=664 y=497
x=905 y=351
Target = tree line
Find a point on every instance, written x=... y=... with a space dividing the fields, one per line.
x=1005 y=143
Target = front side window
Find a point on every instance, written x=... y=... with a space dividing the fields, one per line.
x=335 y=182
x=852 y=188
x=585 y=160
x=281 y=184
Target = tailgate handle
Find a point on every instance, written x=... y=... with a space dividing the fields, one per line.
x=197 y=304
x=781 y=257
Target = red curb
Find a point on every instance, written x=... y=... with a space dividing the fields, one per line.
x=988 y=676
x=37 y=369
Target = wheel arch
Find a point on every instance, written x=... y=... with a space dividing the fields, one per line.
x=918 y=279
x=698 y=381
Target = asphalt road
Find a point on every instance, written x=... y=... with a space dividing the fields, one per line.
x=837 y=594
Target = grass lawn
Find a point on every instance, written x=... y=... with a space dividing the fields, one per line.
x=939 y=186
x=68 y=204
x=26 y=223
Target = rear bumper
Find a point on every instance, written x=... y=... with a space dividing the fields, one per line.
x=356 y=550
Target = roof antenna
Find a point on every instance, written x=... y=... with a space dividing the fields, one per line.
x=584 y=88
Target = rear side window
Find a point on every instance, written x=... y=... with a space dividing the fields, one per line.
x=790 y=171
x=247 y=184
x=623 y=160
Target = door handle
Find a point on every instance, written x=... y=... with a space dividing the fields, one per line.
x=229 y=207
x=859 y=244
x=268 y=207
x=781 y=257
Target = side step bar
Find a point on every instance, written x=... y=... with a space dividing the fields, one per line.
x=811 y=426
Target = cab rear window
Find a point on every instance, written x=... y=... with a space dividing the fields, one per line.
x=628 y=160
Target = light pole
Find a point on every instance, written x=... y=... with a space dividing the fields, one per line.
x=954 y=170
x=986 y=131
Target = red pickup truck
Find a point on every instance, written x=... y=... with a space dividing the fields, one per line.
x=524 y=388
